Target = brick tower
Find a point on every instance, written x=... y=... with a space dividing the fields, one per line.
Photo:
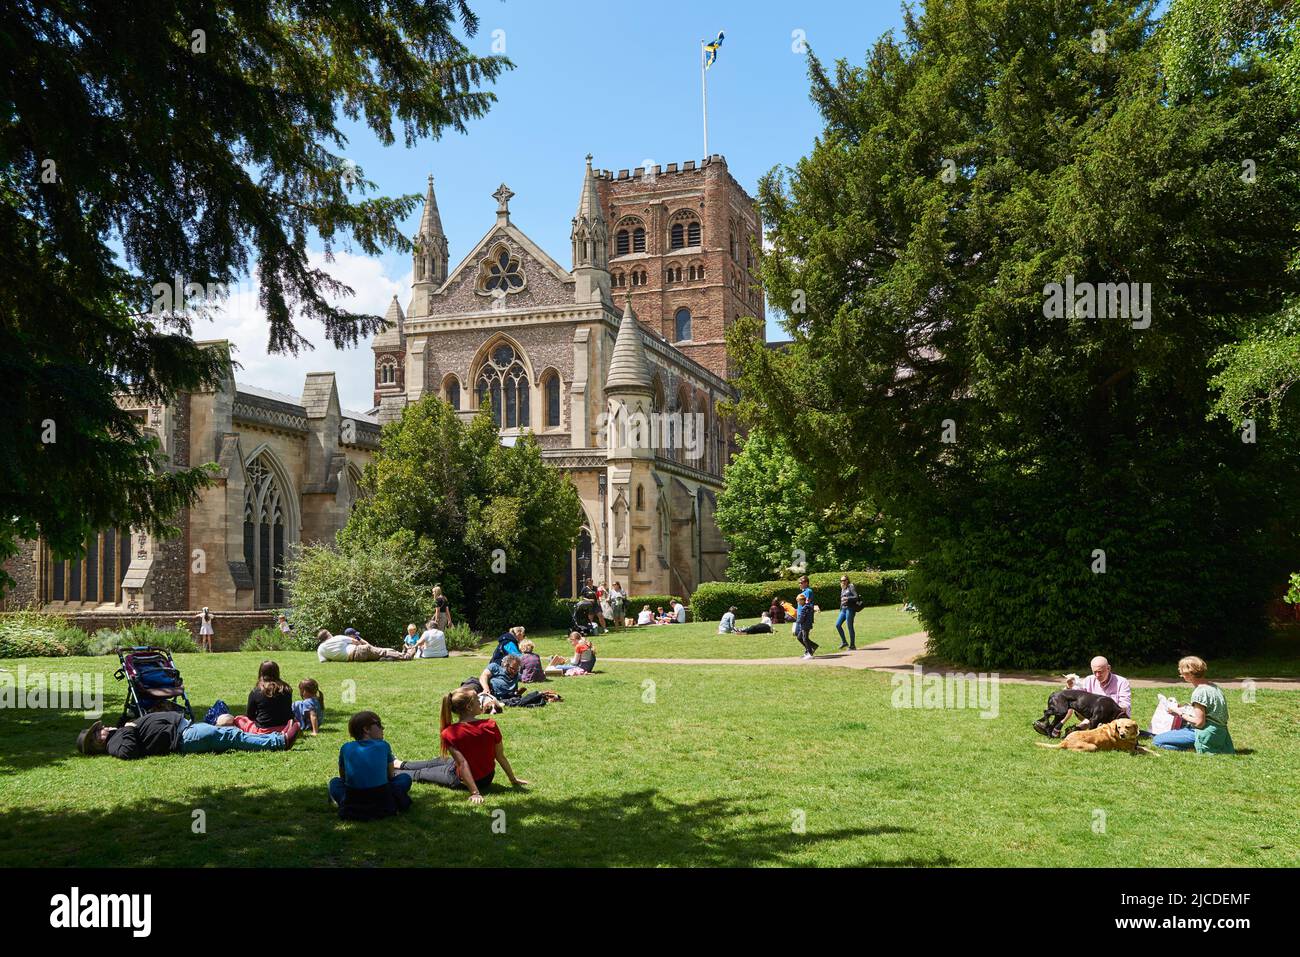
x=682 y=242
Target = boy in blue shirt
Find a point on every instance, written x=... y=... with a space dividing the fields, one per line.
x=804 y=624
x=367 y=786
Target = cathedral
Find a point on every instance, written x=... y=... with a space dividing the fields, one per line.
x=616 y=365
x=288 y=471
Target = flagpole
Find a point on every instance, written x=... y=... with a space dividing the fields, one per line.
x=704 y=92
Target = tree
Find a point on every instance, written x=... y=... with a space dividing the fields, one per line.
x=769 y=513
x=152 y=151
x=1052 y=469
x=490 y=524
x=373 y=589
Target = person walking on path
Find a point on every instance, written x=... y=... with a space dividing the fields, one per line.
x=848 y=607
x=804 y=625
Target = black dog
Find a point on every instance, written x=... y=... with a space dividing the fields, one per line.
x=1093 y=710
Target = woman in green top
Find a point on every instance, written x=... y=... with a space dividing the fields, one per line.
x=1205 y=722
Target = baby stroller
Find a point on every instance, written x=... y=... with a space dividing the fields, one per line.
x=583 y=613
x=153 y=682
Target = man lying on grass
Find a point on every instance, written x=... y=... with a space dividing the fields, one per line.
x=170 y=732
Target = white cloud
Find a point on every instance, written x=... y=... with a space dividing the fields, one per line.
x=242 y=320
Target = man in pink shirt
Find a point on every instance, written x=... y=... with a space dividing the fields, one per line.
x=1106 y=682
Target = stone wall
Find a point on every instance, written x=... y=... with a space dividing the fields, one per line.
x=230 y=628
x=25 y=571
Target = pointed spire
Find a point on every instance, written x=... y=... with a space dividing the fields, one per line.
x=590 y=238
x=393 y=334
x=429 y=258
x=431 y=221
x=394 y=313
x=628 y=370
x=589 y=204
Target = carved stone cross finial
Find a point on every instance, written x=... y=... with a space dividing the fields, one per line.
x=502 y=196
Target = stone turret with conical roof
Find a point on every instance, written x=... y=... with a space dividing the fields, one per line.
x=629 y=372
x=429 y=258
x=590 y=237
x=389 y=347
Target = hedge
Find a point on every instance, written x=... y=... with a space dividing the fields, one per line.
x=712 y=599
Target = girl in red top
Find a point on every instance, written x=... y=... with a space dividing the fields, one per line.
x=474 y=746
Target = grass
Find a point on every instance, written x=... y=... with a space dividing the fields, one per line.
x=700 y=639
x=658 y=765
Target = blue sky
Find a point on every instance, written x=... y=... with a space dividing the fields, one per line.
x=620 y=81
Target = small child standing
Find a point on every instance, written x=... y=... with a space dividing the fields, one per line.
x=310 y=710
x=205 y=620
x=368 y=787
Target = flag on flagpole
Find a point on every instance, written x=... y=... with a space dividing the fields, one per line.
x=711 y=51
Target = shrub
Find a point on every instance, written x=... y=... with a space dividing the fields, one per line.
x=271 y=638
x=712 y=599
x=372 y=588
x=30 y=634
x=460 y=637
x=177 y=639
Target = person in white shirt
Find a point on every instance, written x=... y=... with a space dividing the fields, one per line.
x=645 y=616
x=728 y=623
x=350 y=646
x=680 y=610
x=432 y=643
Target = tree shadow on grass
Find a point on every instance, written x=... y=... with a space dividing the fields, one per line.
x=260 y=826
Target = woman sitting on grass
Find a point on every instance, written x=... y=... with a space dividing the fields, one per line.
x=583 y=660
x=270 y=705
x=1207 y=715
x=471 y=749
x=368 y=787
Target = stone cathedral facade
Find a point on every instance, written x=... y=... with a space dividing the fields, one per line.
x=662 y=264
x=288 y=472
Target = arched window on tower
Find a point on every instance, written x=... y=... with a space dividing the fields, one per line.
x=451 y=391
x=682 y=324
x=622 y=243
x=693 y=233
x=640 y=498
x=388 y=372
x=638 y=240
x=503 y=381
x=640 y=558
x=677 y=237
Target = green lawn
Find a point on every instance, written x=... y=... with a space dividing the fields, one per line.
x=700 y=639
x=716 y=767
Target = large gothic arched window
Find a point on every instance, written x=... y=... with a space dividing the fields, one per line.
x=265 y=520
x=503 y=381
